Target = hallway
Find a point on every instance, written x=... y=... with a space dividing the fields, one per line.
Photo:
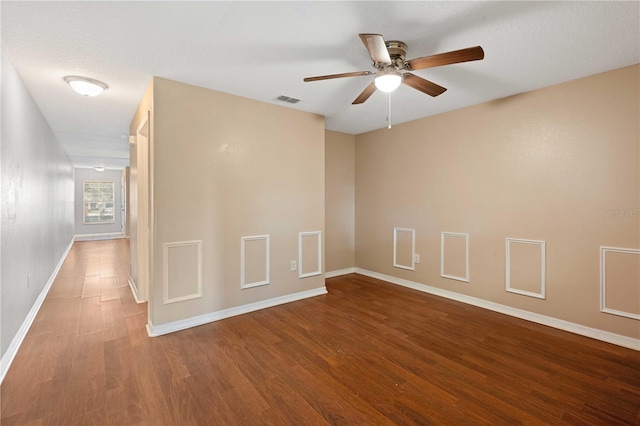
x=88 y=327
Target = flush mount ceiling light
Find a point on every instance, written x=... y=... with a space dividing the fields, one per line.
x=85 y=86
x=99 y=169
x=388 y=80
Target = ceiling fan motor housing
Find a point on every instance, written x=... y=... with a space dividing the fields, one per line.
x=397 y=52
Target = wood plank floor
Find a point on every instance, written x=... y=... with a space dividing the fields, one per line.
x=367 y=353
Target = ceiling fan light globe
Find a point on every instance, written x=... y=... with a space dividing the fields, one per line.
x=388 y=82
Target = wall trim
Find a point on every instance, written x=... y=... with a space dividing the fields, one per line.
x=165 y=271
x=134 y=290
x=594 y=333
x=170 y=327
x=543 y=267
x=301 y=235
x=443 y=236
x=411 y=267
x=102 y=236
x=267 y=240
x=12 y=350
x=339 y=272
x=603 y=281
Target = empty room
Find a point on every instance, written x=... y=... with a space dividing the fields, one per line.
x=292 y=213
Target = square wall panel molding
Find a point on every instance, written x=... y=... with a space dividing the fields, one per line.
x=404 y=248
x=454 y=256
x=526 y=267
x=182 y=271
x=620 y=281
x=309 y=254
x=254 y=261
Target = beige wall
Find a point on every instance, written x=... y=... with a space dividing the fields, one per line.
x=548 y=165
x=226 y=167
x=339 y=200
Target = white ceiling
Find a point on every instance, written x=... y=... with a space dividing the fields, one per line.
x=261 y=50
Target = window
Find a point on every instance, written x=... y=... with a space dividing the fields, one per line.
x=98 y=202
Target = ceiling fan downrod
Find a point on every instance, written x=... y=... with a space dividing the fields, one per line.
x=389 y=112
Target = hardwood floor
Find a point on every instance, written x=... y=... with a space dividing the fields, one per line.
x=367 y=353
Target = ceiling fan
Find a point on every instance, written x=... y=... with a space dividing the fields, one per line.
x=392 y=69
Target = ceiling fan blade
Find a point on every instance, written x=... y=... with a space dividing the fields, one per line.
x=366 y=93
x=454 y=57
x=377 y=48
x=344 y=74
x=425 y=86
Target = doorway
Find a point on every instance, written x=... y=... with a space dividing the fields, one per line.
x=139 y=217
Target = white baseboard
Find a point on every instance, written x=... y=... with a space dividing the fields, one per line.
x=339 y=272
x=134 y=290
x=96 y=237
x=12 y=350
x=594 y=333
x=159 y=330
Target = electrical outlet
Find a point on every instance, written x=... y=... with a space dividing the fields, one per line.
x=28 y=280
x=294 y=265
x=416 y=258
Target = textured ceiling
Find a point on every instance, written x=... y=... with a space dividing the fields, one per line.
x=261 y=50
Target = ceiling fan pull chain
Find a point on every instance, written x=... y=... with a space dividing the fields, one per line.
x=389 y=113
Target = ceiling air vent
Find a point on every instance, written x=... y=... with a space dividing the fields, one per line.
x=288 y=99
